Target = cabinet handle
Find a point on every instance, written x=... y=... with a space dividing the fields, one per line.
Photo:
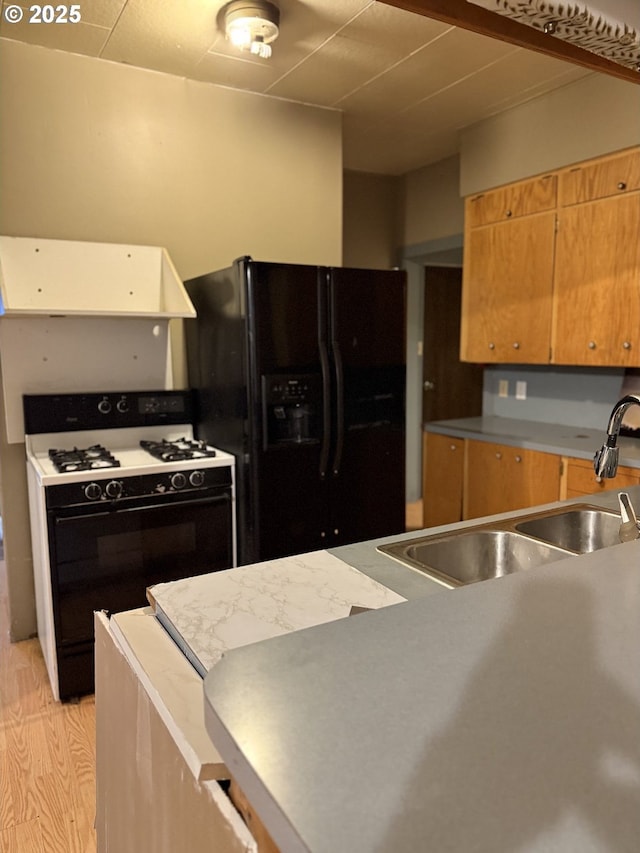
x=627 y=344
x=508 y=213
x=518 y=458
x=498 y=455
x=622 y=185
x=592 y=345
x=516 y=345
x=452 y=447
x=598 y=479
x=492 y=346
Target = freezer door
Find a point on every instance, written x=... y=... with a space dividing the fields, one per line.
x=367 y=317
x=290 y=374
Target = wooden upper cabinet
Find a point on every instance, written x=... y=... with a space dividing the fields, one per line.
x=507 y=288
x=552 y=268
x=597 y=284
x=512 y=201
x=607 y=176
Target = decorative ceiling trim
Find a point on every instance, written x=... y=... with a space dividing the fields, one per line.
x=460 y=13
x=577 y=23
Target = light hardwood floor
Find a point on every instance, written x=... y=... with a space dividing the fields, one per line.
x=47 y=749
x=414 y=516
x=47 y=755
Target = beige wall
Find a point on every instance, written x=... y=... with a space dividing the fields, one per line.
x=97 y=151
x=592 y=116
x=370 y=220
x=93 y=150
x=432 y=206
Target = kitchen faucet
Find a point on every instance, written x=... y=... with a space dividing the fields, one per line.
x=605 y=461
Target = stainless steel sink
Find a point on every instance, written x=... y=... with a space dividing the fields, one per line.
x=492 y=550
x=581 y=530
x=476 y=556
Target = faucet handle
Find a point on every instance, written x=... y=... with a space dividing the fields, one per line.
x=629 y=529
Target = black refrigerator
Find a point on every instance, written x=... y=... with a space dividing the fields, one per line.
x=299 y=371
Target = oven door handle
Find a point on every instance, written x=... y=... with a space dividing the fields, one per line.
x=211 y=499
x=63 y=514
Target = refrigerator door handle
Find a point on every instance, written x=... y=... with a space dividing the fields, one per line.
x=337 y=360
x=326 y=409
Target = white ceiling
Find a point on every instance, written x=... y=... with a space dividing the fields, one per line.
x=406 y=84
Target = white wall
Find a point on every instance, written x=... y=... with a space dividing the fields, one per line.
x=98 y=151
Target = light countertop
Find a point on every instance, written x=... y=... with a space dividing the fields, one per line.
x=208 y=615
x=504 y=715
x=561 y=439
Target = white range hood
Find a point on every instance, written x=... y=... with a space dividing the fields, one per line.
x=53 y=277
x=84 y=317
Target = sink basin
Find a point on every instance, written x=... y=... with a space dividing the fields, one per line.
x=494 y=549
x=583 y=529
x=464 y=558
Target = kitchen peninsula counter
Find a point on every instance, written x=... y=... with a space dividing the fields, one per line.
x=561 y=439
x=499 y=716
x=504 y=715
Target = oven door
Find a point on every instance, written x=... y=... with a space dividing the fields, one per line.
x=105 y=557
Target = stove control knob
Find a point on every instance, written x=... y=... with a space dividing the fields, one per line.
x=114 y=489
x=178 y=481
x=92 y=491
x=196 y=478
x=104 y=406
x=122 y=405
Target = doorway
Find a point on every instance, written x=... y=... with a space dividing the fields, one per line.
x=451 y=388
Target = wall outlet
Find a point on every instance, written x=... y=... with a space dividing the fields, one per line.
x=503 y=388
x=521 y=390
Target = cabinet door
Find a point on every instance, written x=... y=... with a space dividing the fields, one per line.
x=507 y=291
x=511 y=201
x=597 y=284
x=581 y=479
x=600 y=178
x=442 y=468
x=499 y=478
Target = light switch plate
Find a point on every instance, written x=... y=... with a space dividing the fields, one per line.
x=521 y=390
x=503 y=388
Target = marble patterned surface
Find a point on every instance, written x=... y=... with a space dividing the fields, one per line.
x=223 y=610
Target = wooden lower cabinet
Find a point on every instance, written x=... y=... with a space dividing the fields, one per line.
x=442 y=475
x=500 y=478
x=580 y=479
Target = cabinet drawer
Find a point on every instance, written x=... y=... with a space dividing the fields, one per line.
x=581 y=479
x=599 y=179
x=511 y=201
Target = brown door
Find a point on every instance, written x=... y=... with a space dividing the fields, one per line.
x=451 y=388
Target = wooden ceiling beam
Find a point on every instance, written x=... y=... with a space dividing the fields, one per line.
x=469 y=16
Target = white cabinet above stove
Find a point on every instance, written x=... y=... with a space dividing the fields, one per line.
x=53 y=277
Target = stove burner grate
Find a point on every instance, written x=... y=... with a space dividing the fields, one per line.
x=86 y=459
x=178 y=450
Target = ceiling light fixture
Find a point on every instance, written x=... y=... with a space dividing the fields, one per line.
x=252 y=26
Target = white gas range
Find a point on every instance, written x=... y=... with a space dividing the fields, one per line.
x=121 y=497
